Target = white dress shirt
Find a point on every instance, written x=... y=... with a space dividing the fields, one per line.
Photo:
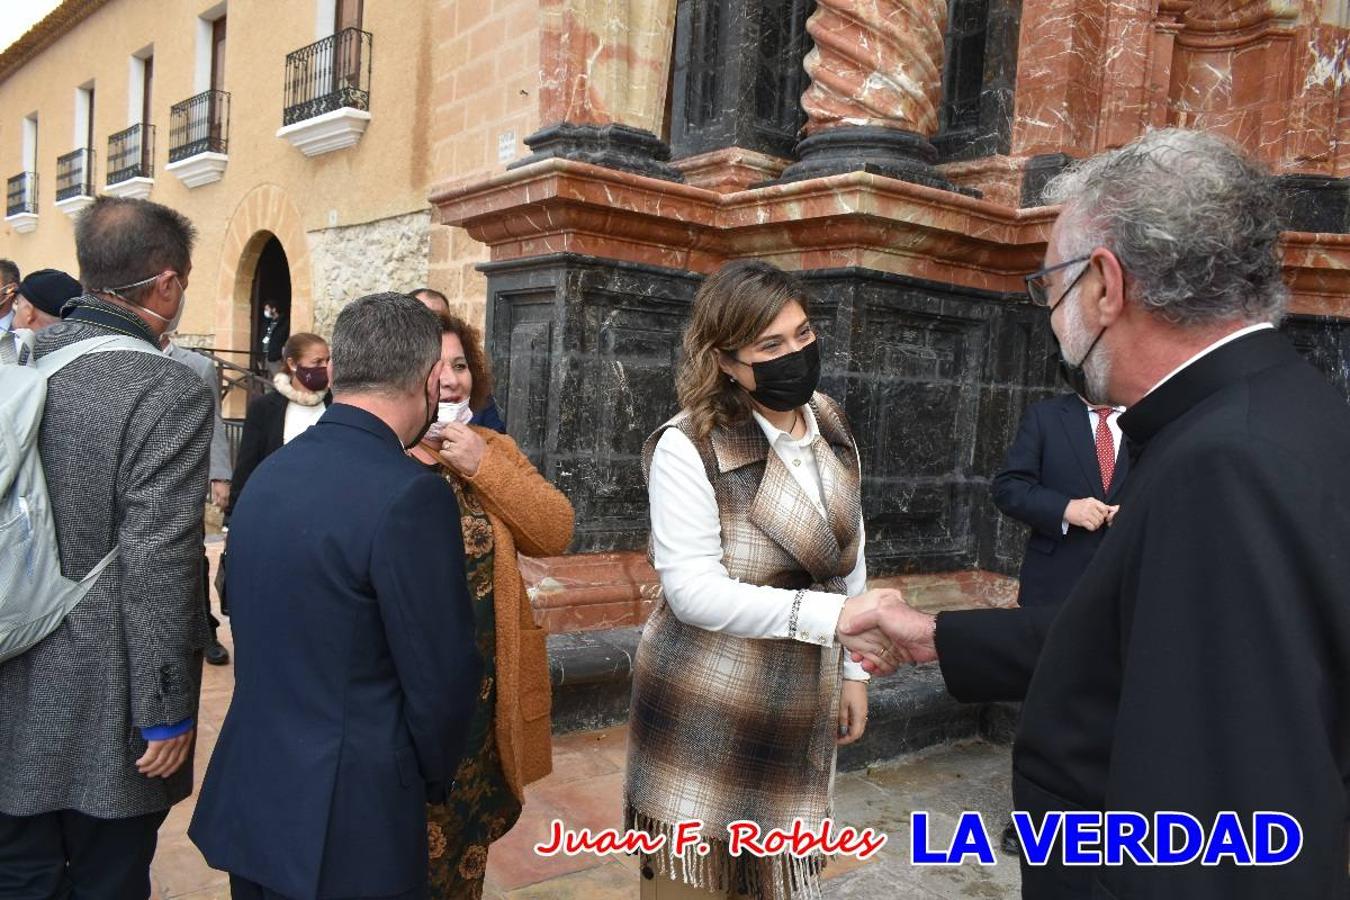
x=7 y=320
x=687 y=548
x=298 y=418
x=1113 y=425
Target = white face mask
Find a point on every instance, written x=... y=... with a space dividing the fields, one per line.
x=446 y=414
x=454 y=412
x=170 y=325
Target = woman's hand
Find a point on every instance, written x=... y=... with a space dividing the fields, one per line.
x=852 y=711
x=461 y=449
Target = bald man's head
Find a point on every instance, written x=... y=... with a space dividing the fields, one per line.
x=432 y=300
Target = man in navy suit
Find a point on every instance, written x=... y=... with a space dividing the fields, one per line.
x=356 y=669
x=1062 y=476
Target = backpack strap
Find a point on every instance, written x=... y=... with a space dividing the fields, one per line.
x=16 y=347
x=57 y=360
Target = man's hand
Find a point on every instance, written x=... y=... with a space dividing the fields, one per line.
x=908 y=629
x=220 y=494
x=869 y=643
x=1089 y=513
x=163 y=758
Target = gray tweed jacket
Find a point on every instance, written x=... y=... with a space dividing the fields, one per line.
x=206 y=371
x=124 y=444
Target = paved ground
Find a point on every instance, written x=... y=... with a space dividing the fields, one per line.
x=585 y=790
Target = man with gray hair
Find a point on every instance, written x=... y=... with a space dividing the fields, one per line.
x=97 y=720
x=356 y=669
x=1202 y=663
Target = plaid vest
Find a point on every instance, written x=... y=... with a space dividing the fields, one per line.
x=725 y=728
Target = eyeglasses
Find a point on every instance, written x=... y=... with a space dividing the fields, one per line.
x=1038 y=284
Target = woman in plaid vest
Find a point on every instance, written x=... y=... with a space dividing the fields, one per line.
x=741 y=691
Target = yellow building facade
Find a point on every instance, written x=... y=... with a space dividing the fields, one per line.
x=299 y=137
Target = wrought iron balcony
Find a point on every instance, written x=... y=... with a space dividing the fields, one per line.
x=131 y=154
x=21 y=194
x=199 y=124
x=75 y=174
x=328 y=75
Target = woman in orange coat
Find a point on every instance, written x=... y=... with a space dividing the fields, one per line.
x=505 y=506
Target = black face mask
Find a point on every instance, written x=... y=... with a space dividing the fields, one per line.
x=787 y=382
x=431 y=420
x=1074 y=375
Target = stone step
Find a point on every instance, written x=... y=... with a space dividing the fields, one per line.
x=592 y=679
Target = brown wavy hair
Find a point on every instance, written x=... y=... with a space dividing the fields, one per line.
x=472 y=341
x=731 y=309
x=296 y=346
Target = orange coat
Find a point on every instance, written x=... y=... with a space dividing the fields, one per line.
x=533 y=517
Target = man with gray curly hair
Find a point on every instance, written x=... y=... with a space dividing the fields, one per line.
x=1202 y=663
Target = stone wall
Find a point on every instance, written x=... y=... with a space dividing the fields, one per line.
x=484 y=101
x=386 y=255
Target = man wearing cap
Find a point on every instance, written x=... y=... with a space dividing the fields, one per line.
x=40 y=296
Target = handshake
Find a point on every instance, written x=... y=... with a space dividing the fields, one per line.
x=883 y=632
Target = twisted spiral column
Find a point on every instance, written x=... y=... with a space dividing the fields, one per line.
x=876 y=83
x=876 y=63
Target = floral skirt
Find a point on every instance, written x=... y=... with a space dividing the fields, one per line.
x=481 y=809
x=482 y=806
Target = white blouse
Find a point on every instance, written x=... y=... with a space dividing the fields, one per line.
x=687 y=548
x=298 y=418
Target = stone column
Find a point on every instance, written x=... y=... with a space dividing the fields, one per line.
x=604 y=67
x=876 y=82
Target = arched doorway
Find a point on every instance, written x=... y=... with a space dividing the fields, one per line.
x=269 y=307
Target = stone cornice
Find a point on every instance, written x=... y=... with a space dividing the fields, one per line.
x=854 y=219
x=45 y=32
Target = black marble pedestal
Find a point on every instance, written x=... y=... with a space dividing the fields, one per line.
x=1315 y=203
x=614 y=146
x=934 y=378
x=881 y=151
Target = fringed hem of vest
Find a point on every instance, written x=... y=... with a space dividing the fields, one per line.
x=779 y=877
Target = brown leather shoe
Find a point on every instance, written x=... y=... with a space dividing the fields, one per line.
x=1011 y=844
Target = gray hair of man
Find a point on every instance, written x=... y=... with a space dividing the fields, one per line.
x=122 y=243
x=1193 y=222
x=384 y=344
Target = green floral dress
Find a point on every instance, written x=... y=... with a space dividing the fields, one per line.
x=481 y=807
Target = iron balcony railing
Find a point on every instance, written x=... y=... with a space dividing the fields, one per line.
x=131 y=154
x=199 y=124
x=329 y=74
x=75 y=174
x=21 y=194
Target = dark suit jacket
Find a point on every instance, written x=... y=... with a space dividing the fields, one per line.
x=1053 y=460
x=276 y=338
x=489 y=416
x=355 y=667
x=1203 y=662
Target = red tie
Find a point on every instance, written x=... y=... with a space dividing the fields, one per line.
x=1106 y=451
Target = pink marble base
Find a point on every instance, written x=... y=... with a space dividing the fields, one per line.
x=595 y=591
x=729 y=170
